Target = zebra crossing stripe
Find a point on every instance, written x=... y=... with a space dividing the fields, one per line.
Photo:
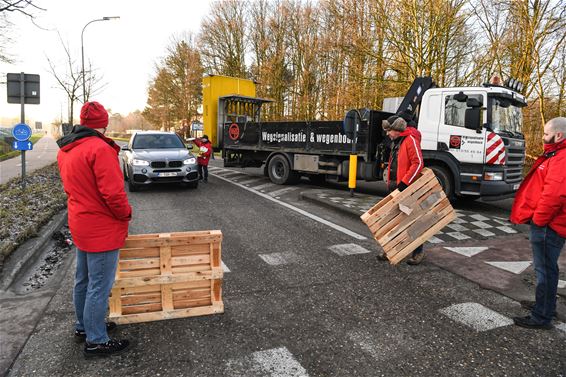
x=348 y=249
x=264 y=186
x=279 y=362
x=281 y=191
x=476 y=316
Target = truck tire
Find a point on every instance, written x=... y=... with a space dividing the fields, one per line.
x=445 y=179
x=280 y=171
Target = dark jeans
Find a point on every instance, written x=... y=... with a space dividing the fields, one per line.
x=203 y=172
x=547 y=245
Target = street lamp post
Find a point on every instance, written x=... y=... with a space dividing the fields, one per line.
x=83 y=50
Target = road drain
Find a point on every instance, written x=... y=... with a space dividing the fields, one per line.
x=52 y=260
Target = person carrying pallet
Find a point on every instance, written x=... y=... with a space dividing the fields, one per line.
x=405 y=164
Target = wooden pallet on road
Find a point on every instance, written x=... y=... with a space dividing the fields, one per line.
x=168 y=275
x=402 y=221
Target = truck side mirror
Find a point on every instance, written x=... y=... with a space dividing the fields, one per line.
x=472 y=118
x=351 y=123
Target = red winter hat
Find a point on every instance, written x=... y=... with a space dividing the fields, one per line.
x=94 y=115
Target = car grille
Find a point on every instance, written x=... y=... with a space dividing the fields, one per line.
x=163 y=164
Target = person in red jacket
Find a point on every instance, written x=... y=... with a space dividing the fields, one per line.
x=98 y=213
x=541 y=200
x=405 y=164
x=205 y=150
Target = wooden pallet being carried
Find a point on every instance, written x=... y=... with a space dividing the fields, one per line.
x=168 y=275
x=402 y=221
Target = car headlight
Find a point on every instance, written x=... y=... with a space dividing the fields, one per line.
x=190 y=161
x=137 y=162
x=491 y=176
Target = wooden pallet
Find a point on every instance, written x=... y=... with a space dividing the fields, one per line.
x=402 y=221
x=168 y=275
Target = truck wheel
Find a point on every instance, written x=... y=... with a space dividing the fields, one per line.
x=445 y=179
x=280 y=171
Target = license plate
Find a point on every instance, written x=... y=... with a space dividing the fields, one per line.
x=516 y=186
x=167 y=174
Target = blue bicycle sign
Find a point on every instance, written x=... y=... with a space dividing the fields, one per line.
x=21 y=132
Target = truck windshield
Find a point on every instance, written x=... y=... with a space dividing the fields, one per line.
x=505 y=117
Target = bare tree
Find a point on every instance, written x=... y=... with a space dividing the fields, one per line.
x=70 y=79
x=7 y=7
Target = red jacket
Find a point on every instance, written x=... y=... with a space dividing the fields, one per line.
x=409 y=157
x=98 y=206
x=542 y=195
x=204 y=155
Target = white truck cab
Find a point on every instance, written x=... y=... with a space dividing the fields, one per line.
x=482 y=159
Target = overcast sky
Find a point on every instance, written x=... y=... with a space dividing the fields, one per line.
x=124 y=51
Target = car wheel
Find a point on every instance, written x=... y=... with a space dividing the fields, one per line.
x=280 y=171
x=131 y=186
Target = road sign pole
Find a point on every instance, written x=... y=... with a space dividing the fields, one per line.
x=23 y=120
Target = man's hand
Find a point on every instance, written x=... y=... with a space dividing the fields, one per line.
x=402 y=186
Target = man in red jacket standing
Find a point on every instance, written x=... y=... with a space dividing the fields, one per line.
x=205 y=150
x=541 y=200
x=405 y=164
x=99 y=214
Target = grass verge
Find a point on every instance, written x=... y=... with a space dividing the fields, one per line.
x=24 y=212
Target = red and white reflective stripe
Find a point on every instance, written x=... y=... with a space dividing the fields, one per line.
x=494 y=150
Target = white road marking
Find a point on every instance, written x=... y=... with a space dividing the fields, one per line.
x=367 y=344
x=248 y=181
x=229 y=173
x=348 y=249
x=479 y=217
x=502 y=222
x=457 y=235
x=514 y=267
x=264 y=186
x=459 y=221
x=225 y=268
x=484 y=232
x=276 y=259
x=481 y=224
x=561 y=284
x=476 y=316
x=433 y=239
x=561 y=326
x=506 y=229
x=467 y=251
x=279 y=362
x=281 y=191
x=457 y=227
x=298 y=210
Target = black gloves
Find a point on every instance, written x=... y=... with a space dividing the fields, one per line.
x=401 y=186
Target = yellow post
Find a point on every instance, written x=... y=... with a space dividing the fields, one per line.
x=352 y=174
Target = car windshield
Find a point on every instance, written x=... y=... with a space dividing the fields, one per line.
x=157 y=141
x=505 y=117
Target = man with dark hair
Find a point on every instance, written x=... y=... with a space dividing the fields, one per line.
x=99 y=214
x=405 y=164
x=541 y=200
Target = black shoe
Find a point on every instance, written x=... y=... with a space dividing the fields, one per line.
x=80 y=335
x=110 y=348
x=416 y=259
x=529 y=305
x=381 y=256
x=530 y=323
x=205 y=180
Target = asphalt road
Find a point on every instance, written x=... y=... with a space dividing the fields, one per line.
x=297 y=304
x=44 y=152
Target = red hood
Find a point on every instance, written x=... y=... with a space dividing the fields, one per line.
x=412 y=131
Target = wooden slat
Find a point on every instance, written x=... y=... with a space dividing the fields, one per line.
x=114 y=302
x=190 y=268
x=148 y=298
x=189 y=249
x=216 y=290
x=215 y=273
x=145 y=308
x=173 y=241
x=179 y=313
x=182 y=304
x=136 y=273
x=191 y=294
x=138 y=264
x=189 y=260
x=145 y=252
x=140 y=290
x=189 y=285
